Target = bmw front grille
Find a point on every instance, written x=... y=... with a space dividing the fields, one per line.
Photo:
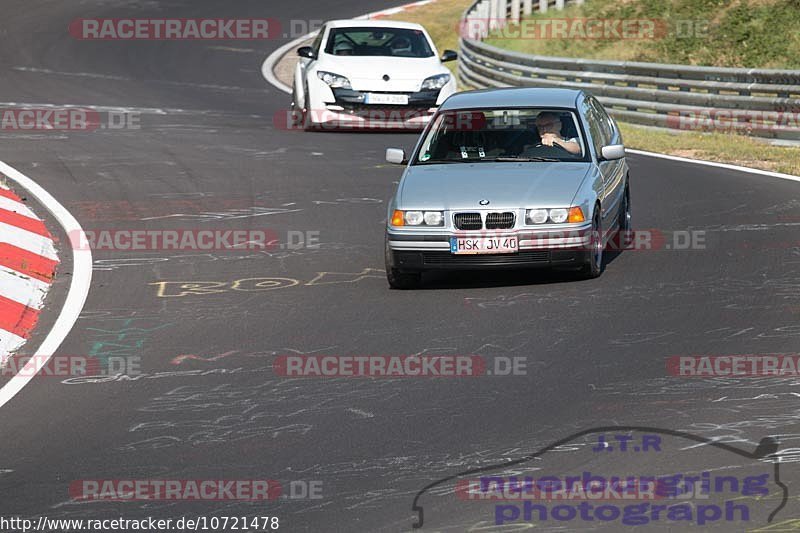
x=495 y=220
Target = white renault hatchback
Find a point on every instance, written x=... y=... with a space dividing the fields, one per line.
x=369 y=73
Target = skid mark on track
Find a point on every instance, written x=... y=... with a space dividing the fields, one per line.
x=232 y=214
x=97 y=75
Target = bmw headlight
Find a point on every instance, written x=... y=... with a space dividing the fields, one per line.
x=418 y=218
x=433 y=218
x=414 y=218
x=558 y=215
x=435 y=82
x=334 y=81
x=537 y=216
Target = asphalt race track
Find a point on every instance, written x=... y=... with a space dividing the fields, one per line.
x=208 y=155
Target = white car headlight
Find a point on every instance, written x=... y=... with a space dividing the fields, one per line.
x=537 y=216
x=334 y=81
x=417 y=218
x=558 y=215
x=435 y=82
x=434 y=218
x=414 y=218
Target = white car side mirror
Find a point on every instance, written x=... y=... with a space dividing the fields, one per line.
x=396 y=156
x=613 y=151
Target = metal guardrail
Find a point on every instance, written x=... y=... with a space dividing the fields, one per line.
x=760 y=102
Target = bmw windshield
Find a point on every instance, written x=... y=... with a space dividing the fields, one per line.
x=503 y=135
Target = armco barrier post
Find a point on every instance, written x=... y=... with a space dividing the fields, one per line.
x=515 y=11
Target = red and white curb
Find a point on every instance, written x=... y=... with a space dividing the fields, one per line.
x=28 y=262
x=36 y=245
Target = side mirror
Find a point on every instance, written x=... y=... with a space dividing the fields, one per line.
x=613 y=151
x=306 y=51
x=449 y=55
x=396 y=156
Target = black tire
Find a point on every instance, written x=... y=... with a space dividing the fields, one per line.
x=624 y=233
x=399 y=279
x=594 y=262
x=297 y=114
x=307 y=124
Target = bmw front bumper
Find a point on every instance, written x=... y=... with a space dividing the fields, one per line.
x=414 y=250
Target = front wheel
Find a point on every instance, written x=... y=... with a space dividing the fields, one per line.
x=308 y=124
x=594 y=263
x=625 y=226
x=403 y=280
x=297 y=113
x=399 y=279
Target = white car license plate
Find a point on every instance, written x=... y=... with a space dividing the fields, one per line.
x=394 y=99
x=483 y=245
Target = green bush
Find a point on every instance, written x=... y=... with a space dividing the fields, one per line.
x=738 y=33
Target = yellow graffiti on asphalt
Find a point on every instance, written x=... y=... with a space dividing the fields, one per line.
x=175 y=289
x=330 y=278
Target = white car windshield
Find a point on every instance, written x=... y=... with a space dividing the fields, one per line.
x=530 y=134
x=392 y=42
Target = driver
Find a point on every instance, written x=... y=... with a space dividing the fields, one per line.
x=549 y=126
x=401 y=46
x=343 y=48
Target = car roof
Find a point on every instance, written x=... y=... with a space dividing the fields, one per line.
x=513 y=97
x=371 y=23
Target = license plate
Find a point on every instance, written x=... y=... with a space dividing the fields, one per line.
x=483 y=245
x=393 y=99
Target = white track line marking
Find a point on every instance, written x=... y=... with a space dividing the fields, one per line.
x=269 y=63
x=715 y=164
x=78 y=288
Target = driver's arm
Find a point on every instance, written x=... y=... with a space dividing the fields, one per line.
x=570 y=145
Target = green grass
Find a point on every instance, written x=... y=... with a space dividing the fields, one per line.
x=724 y=33
x=752 y=48
x=721 y=147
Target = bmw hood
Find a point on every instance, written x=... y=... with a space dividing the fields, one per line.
x=367 y=73
x=504 y=185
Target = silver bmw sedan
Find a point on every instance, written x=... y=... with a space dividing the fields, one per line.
x=509 y=178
